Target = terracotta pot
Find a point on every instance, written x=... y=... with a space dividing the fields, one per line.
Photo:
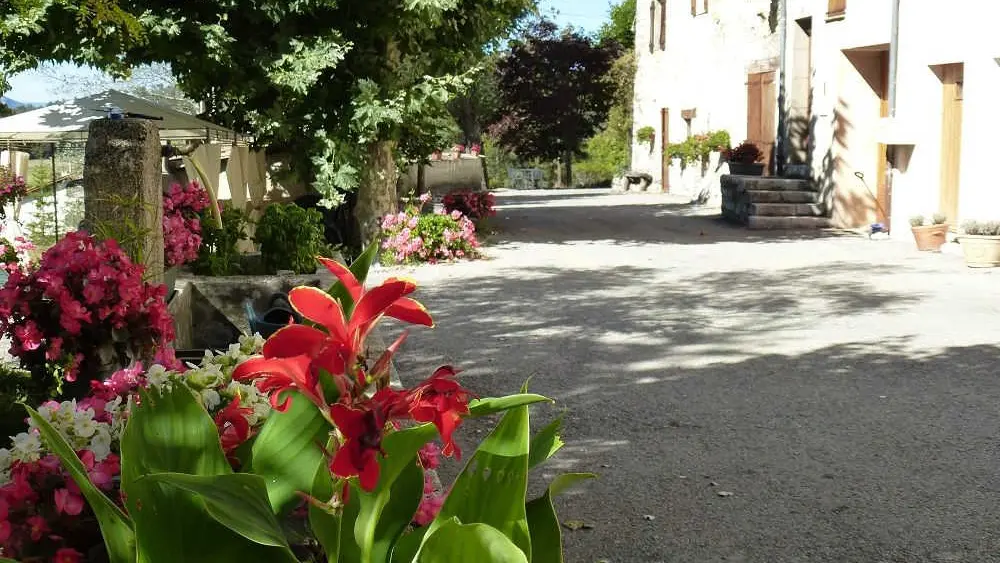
x=981 y=251
x=930 y=237
x=743 y=169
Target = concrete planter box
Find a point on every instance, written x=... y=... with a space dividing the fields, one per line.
x=980 y=251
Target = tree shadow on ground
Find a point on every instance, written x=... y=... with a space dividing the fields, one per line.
x=625 y=219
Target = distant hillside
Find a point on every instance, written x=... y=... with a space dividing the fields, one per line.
x=13 y=104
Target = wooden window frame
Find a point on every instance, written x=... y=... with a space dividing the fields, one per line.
x=836 y=9
x=695 y=5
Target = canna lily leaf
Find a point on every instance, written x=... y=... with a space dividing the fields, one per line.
x=116 y=527
x=546 y=536
x=238 y=502
x=454 y=542
x=546 y=443
x=491 y=488
x=384 y=513
x=170 y=432
x=287 y=451
x=408 y=545
x=483 y=407
x=325 y=525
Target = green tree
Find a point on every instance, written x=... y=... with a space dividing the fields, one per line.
x=333 y=87
x=620 y=26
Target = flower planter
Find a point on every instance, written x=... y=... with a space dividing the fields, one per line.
x=930 y=238
x=744 y=169
x=980 y=251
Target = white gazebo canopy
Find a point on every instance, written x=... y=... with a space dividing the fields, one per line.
x=69 y=121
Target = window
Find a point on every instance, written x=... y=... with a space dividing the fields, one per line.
x=652 y=26
x=835 y=9
x=699 y=7
x=663 y=25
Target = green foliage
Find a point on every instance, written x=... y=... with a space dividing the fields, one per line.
x=620 y=26
x=290 y=238
x=498 y=160
x=219 y=255
x=697 y=147
x=609 y=152
x=981 y=228
x=130 y=235
x=645 y=135
x=18 y=388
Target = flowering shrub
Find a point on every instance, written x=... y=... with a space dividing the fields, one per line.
x=745 y=153
x=14 y=255
x=81 y=309
x=12 y=188
x=182 y=207
x=339 y=437
x=474 y=205
x=45 y=511
x=410 y=236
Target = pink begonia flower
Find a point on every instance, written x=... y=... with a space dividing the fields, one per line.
x=428 y=510
x=430 y=456
x=68 y=502
x=37 y=527
x=28 y=336
x=67 y=555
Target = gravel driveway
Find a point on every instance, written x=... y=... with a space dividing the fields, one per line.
x=844 y=390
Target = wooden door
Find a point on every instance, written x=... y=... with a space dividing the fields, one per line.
x=884 y=203
x=762 y=102
x=952 y=76
x=665 y=142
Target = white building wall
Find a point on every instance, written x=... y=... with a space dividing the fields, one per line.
x=708 y=56
x=704 y=67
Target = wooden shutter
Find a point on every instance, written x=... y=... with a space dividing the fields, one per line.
x=652 y=25
x=663 y=25
x=761 y=105
x=694 y=7
x=836 y=8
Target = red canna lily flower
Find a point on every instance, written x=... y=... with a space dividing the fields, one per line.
x=443 y=401
x=234 y=428
x=362 y=427
x=276 y=375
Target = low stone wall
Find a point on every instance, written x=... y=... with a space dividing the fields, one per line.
x=735 y=199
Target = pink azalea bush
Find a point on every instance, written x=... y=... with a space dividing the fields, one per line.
x=14 y=255
x=412 y=237
x=12 y=188
x=84 y=298
x=182 y=207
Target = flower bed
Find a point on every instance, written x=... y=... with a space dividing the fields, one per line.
x=474 y=205
x=413 y=237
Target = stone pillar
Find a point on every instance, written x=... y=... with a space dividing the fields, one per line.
x=122 y=187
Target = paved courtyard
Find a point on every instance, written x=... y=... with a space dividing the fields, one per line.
x=844 y=390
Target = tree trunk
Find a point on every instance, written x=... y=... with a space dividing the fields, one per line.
x=421 y=178
x=377 y=194
x=566 y=170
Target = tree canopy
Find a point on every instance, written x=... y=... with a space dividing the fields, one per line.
x=555 y=93
x=334 y=84
x=620 y=26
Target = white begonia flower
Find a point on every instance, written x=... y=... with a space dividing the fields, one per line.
x=235 y=351
x=158 y=375
x=27 y=447
x=101 y=443
x=84 y=426
x=5 y=459
x=210 y=398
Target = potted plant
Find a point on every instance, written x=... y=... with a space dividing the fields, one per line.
x=646 y=136
x=476 y=149
x=745 y=160
x=980 y=242
x=929 y=237
x=458 y=150
x=12 y=188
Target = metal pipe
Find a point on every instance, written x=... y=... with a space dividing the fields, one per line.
x=782 y=140
x=893 y=57
x=55 y=195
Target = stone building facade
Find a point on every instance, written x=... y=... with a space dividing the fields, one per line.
x=811 y=81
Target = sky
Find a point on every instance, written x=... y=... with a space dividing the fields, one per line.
x=30 y=87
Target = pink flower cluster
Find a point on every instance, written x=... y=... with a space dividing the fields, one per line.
x=431 y=502
x=474 y=205
x=41 y=507
x=76 y=300
x=181 y=222
x=411 y=237
x=12 y=188
x=14 y=255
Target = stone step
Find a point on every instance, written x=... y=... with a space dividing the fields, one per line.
x=788 y=223
x=774 y=184
x=782 y=196
x=787 y=209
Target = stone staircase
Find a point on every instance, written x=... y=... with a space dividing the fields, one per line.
x=772 y=203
